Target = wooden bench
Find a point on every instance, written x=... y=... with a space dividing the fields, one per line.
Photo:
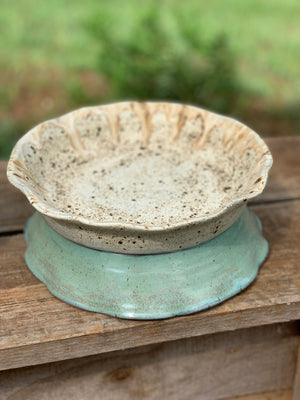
x=245 y=346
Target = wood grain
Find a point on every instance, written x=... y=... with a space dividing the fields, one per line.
x=283 y=184
x=209 y=367
x=36 y=328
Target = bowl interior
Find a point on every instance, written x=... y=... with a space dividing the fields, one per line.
x=148 y=164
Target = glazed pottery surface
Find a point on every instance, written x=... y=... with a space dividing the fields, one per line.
x=140 y=178
x=148 y=286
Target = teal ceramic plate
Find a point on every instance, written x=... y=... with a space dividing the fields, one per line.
x=147 y=286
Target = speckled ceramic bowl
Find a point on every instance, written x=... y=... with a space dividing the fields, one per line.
x=140 y=178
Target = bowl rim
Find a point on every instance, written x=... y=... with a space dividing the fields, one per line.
x=51 y=212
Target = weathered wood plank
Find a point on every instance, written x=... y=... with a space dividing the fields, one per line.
x=210 y=367
x=36 y=328
x=283 y=183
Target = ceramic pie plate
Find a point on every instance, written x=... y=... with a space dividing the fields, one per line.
x=140 y=178
x=147 y=286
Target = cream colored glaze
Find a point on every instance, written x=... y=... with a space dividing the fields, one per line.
x=107 y=176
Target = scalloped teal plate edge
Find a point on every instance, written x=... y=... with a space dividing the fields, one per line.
x=149 y=286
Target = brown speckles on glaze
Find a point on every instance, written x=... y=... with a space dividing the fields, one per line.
x=69 y=129
x=146 y=167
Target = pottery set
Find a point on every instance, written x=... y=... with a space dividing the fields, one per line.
x=142 y=207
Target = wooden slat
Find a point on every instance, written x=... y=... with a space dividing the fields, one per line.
x=209 y=367
x=36 y=328
x=283 y=183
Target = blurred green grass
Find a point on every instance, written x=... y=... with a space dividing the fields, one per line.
x=47 y=54
x=264 y=33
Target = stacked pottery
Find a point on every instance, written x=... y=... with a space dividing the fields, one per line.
x=141 y=207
